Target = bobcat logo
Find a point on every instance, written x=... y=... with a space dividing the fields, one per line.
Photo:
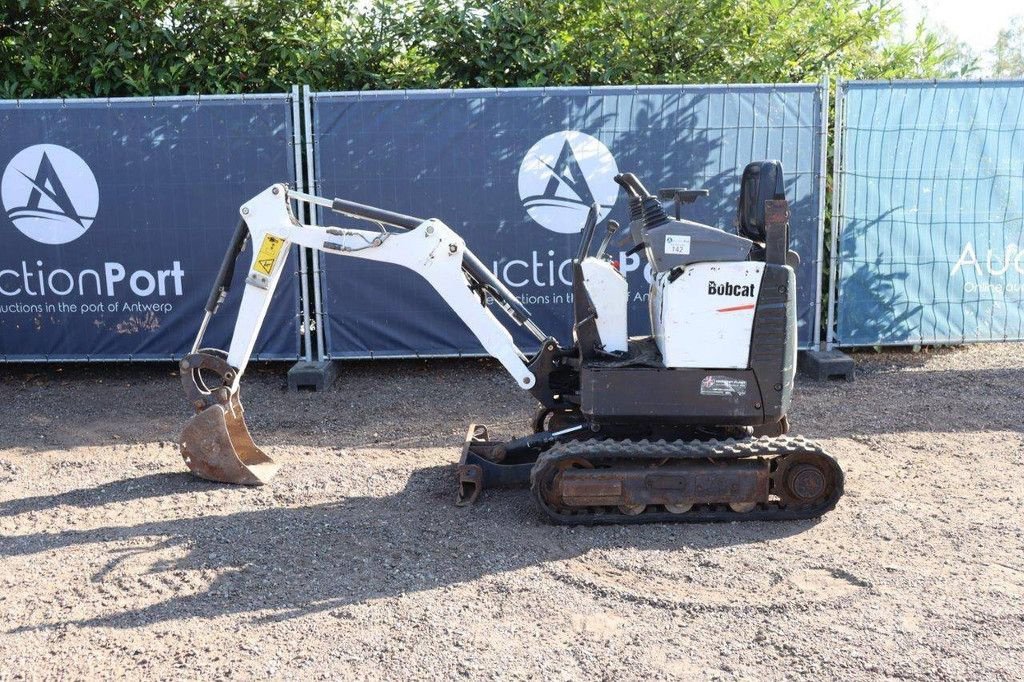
x=729 y=289
x=562 y=176
x=50 y=194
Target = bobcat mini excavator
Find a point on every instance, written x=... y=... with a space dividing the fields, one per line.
x=687 y=423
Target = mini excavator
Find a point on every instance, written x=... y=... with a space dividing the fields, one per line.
x=685 y=424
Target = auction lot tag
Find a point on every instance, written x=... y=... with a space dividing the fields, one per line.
x=269 y=250
x=677 y=244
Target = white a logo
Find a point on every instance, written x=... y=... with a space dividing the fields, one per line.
x=49 y=193
x=562 y=176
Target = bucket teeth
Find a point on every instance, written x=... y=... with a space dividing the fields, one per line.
x=216 y=445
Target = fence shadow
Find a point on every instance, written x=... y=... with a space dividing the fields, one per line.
x=410 y=404
x=872 y=305
x=906 y=397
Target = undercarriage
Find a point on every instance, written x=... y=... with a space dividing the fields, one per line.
x=607 y=480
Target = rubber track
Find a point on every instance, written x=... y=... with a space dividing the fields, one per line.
x=620 y=451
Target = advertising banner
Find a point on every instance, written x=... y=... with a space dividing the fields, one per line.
x=515 y=172
x=931 y=213
x=116 y=215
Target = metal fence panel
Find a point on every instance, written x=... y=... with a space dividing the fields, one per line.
x=930 y=211
x=485 y=162
x=116 y=217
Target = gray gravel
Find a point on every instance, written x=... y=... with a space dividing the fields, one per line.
x=354 y=563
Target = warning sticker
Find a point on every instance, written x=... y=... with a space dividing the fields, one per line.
x=677 y=244
x=269 y=250
x=719 y=385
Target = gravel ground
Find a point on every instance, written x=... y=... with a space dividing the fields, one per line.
x=354 y=563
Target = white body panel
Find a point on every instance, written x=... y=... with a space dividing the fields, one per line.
x=610 y=294
x=705 y=317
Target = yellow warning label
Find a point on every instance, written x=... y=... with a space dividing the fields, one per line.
x=269 y=249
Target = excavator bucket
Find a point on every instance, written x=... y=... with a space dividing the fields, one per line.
x=215 y=443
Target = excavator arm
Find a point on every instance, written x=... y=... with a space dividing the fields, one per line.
x=216 y=444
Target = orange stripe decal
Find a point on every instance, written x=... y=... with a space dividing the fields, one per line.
x=749 y=306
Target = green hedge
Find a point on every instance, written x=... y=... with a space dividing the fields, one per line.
x=59 y=48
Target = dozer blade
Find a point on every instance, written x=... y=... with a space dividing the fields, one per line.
x=216 y=445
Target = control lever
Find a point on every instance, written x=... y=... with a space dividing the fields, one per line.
x=589 y=227
x=632 y=185
x=612 y=227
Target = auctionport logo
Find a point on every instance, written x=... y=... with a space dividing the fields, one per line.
x=562 y=176
x=50 y=194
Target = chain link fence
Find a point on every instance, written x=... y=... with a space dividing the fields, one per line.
x=929 y=213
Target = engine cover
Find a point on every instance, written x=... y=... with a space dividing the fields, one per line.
x=704 y=316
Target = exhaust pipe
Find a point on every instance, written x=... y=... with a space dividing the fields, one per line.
x=215 y=443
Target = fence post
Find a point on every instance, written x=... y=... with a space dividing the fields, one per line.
x=822 y=172
x=826 y=362
x=837 y=212
x=316 y=372
x=300 y=185
x=314 y=188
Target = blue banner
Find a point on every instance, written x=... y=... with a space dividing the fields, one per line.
x=931 y=213
x=116 y=217
x=514 y=172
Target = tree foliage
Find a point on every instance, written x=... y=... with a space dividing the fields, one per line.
x=1008 y=52
x=52 y=48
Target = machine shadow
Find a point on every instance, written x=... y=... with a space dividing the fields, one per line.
x=126 y=490
x=287 y=562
